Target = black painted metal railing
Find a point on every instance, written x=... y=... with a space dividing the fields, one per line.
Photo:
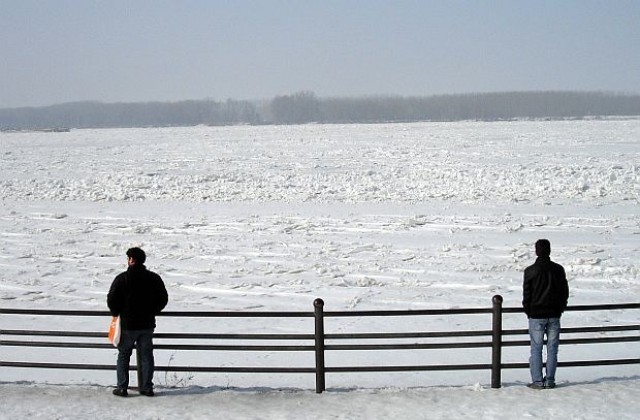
x=320 y=342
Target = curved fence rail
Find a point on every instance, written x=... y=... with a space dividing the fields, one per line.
x=320 y=343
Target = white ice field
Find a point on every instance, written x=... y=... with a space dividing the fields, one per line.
x=366 y=217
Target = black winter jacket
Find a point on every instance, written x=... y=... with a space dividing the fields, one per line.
x=137 y=296
x=545 y=290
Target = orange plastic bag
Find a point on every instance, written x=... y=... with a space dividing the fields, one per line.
x=114 y=331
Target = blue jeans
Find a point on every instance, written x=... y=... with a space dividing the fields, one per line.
x=143 y=341
x=537 y=330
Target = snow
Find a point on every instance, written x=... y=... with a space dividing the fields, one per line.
x=388 y=216
x=609 y=399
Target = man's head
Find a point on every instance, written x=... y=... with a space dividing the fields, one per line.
x=136 y=256
x=543 y=248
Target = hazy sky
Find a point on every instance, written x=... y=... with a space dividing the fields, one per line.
x=54 y=51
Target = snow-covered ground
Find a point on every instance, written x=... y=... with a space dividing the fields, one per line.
x=393 y=216
x=609 y=399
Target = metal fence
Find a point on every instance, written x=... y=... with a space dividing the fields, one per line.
x=320 y=342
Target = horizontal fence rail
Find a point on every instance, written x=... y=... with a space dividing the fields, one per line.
x=319 y=343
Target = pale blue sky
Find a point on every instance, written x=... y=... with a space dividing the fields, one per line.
x=55 y=51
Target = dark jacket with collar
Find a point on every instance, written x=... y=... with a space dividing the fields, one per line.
x=545 y=290
x=137 y=296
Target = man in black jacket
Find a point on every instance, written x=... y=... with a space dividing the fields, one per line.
x=136 y=296
x=545 y=293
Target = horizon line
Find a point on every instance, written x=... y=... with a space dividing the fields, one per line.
x=365 y=96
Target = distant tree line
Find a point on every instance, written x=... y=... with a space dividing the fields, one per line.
x=306 y=107
x=149 y=114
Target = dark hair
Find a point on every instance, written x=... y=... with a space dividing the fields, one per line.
x=543 y=248
x=137 y=255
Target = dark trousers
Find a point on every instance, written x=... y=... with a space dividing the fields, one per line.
x=143 y=341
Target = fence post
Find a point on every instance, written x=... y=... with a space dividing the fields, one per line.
x=496 y=348
x=318 y=306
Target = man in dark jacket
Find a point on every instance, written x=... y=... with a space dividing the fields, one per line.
x=137 y=296
x=545 y=293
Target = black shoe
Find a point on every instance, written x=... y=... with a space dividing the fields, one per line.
x=536 y=385
x=147 y=393
x=120 y=392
